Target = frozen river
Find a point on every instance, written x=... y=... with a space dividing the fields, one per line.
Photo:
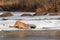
x=50 y=24
x=47 y=24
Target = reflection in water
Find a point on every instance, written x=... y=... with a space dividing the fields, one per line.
x=32 y=38
x=31 y=35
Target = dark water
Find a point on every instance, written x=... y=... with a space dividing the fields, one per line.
x=31 y=38
x=11 y=35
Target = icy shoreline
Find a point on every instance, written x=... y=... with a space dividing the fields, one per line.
x=16 y=16
x=40 y=24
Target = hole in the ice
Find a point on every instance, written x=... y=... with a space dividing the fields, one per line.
x=32 y=26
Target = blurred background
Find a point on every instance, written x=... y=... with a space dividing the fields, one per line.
x=30 y=5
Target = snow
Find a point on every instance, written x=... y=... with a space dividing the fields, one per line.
x=16 y=15
x=50 y=24
x=40 y=24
